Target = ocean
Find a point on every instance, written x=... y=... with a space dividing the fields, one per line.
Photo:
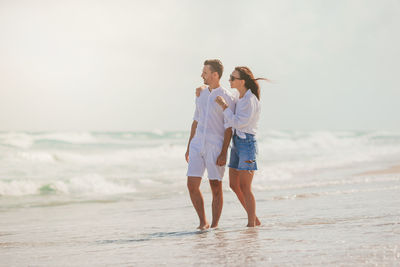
x=120 y=198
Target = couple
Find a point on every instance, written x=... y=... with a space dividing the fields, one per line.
x=218 y=115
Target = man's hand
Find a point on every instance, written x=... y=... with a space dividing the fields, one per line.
x=221 y=101
x=221 y=160
x=199 y=89
x=187 y=156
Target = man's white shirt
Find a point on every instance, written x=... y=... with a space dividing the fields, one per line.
x=210 y=117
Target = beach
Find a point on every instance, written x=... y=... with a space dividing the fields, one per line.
x=86 y=199
x=391 y=170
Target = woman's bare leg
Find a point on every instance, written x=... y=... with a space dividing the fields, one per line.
x=234 y=183
x=246 y=177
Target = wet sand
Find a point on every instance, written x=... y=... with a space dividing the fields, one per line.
x=333 y=224
x=391 y=170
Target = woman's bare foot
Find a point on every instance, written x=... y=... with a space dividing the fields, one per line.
x=214 y=225
x=251 y=225
x=255 y=223
x=204 y=226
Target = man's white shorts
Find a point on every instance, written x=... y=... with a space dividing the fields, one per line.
x=202 y=159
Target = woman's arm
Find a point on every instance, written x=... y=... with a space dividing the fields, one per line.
x=242 y=116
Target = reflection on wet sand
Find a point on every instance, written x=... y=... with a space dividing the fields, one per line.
x=230 y=246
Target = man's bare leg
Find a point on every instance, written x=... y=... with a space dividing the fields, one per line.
x=193 y=184
x=217 y=202
x=235 y=186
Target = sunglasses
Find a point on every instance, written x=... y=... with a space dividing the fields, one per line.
x=232 y=78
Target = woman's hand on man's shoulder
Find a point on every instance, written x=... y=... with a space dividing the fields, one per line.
x=200 y=89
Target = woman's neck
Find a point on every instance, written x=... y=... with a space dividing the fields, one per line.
x=242 y=91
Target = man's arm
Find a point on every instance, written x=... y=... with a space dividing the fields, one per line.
x=192 y=132
x=221 y=160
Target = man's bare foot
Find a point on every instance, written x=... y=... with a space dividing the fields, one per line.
x=251 y=225
x=203 y=226
x=258 y=223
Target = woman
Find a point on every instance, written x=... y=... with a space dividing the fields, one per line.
x=243 y=164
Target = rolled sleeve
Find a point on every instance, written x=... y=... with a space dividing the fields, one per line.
x=228 y=118
x=241 y=118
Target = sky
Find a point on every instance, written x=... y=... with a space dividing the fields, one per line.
x=134 y=65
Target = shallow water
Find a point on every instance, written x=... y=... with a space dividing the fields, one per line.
x=88 y=201
x=347 y=227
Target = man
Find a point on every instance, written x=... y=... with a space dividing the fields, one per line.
x=208 y=143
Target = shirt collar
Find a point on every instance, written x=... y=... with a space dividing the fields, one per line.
x=214 y=90
x=247 y=94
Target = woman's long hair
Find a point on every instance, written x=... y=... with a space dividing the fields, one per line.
x=249 y=81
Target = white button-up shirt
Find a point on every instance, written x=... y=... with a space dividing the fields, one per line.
x=210 y=117
x=246 y=116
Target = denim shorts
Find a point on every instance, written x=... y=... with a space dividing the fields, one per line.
x=243 y=153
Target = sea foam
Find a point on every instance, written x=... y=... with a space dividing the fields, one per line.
x=89 y=163
x=90 y=184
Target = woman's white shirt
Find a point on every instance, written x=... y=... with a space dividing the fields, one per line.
x=247 y=114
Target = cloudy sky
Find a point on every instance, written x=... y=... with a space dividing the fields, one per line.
x=133 y=65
